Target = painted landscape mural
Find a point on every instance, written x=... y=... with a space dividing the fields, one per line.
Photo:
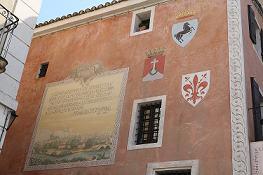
x=78 y=123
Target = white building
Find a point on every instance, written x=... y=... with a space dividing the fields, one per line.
x=27 y=12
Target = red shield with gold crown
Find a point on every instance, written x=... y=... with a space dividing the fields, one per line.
x=154 y=68
x=195 y=86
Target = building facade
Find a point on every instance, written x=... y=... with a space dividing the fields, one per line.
x=147 y=87
x=18 y=41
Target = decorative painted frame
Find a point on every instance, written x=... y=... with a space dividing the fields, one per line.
x=114 y=140
x=134 y=118
x=238 y=106
x=193 y=165
x=135 y=13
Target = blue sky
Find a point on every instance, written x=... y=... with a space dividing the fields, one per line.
x=55 y=8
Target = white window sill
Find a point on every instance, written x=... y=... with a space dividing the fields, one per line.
x=140 y=32
x=144 y=146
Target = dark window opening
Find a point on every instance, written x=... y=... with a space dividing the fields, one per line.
x=174 y=172
x=257 y=98
x=43 y=70
x=144 y=25
x=252 y=24
x=142 y=21
x=261 y=36
x=148 y=123
x=255 y=33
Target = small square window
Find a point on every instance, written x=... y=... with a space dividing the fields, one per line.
x=43 y=70
x=142 y=21
x=146 y=129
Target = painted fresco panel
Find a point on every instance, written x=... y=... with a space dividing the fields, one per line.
x=78 y=123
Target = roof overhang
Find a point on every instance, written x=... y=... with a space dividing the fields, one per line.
x=102 y=13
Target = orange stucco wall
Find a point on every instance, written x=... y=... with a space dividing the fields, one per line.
x=200 y=133
x=253 y=63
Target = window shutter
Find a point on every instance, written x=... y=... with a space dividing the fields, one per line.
x=252 y=24
x=261 y=36
x=256 y=97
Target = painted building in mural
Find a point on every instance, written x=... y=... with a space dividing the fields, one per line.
x=146 y=87
x=17 y=23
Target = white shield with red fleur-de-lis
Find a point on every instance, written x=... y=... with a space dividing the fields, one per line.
x=195 y=86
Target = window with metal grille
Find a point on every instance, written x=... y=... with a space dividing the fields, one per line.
x=148 y=123
x=43 y=70
x=174 y=172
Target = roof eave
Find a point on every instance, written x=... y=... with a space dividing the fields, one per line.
x=102 y=13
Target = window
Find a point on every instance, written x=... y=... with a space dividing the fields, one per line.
x=257 y=98
x=174 y=172
x=142 y=21
x=256 y=34
x=146 y=128
x=43 y=70
x=184 y=167
x=148 y=123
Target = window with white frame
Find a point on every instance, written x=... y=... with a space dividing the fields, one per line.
x=142 y=21
x=184 y=167
x=146 y=128
x=174 y=172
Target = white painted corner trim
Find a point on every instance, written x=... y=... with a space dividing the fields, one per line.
x=192 y=165
x=132 y=133
x=238 y=107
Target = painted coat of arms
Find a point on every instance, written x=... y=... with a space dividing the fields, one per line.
x=195 y=86
x=184 y=32
x=154 y=66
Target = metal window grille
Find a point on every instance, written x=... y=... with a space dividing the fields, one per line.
x=148 y=123
x=258 y=6
x=8 y=22
x=43 y=70
x=175 y=172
